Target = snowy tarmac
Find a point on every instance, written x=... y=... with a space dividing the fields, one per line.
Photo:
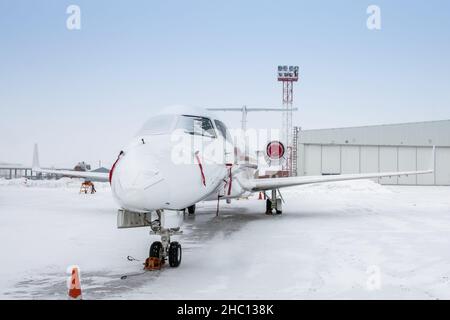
x=340 y=240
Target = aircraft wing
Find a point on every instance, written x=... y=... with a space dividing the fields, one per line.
x=276 y=183
x=88 y=175
x=91 y=176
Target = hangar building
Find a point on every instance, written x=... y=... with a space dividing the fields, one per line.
x=380 y=148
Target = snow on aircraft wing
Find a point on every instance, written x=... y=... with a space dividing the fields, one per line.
x=91 y=176
x=88 y=175
x=276 y=183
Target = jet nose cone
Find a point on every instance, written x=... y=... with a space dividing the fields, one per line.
x=138 y=184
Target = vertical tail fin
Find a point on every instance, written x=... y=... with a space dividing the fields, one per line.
x=35 y=164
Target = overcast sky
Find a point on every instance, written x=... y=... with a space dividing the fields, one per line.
x=81 y=94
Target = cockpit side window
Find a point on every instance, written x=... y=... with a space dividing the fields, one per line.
x=223 y=130
x=195 y=125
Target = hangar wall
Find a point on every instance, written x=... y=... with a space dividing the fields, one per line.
x=397 y=147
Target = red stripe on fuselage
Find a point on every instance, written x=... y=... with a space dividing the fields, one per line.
x=114 y=166
x=231 y=178
x=201 y=168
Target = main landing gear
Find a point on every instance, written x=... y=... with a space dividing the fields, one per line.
x=191 y=209
x=163 y=250
x=273 y=204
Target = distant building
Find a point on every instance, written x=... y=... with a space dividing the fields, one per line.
x=82 y=166
x=15 y=170
x=101 y=169
x=380 y=148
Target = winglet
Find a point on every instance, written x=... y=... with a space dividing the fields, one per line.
x=35 y=164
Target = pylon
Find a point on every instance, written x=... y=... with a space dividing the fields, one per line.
x=260 y=196
x=75 y=287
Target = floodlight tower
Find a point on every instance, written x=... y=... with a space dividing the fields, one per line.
x=288 y=75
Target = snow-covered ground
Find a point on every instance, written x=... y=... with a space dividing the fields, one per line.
x=338 y=240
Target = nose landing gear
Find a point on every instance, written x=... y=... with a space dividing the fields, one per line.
x=162 y=250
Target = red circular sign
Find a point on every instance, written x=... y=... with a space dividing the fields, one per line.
x=275 y=150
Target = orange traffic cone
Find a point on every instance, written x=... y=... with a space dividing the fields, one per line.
x=260 y=196
x=74 y=286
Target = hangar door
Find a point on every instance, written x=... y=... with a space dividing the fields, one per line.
x=388 y=163
x=443 y=166
x=350 y=159
x=407 y=161
x=369 y=160
x=331 y=160
x=344 y=159
x=313 y=160
x=424 y=159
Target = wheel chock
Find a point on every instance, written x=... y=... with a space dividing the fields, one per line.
x=153 y=263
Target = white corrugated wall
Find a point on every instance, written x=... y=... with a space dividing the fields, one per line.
x=321 y=159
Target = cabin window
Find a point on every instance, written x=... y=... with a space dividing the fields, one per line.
x=195 y=125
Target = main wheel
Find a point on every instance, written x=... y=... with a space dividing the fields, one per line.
x=174 y=254
x=279 y=208
x=191 y=209
x=268 y=206
x=156 y=250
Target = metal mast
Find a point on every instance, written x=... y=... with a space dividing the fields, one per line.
x=288 y=75
x=295 y=151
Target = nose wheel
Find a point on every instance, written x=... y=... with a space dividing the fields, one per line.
x=156 y=250
x=174 y=254
x=165 y=249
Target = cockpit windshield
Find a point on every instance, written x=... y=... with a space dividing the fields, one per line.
x=196 y=125
x=160 y=124
x=223 y=130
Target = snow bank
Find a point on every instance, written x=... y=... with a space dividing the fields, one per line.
x=321 y=247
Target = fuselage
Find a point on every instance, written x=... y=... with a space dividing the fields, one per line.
x=178 y=158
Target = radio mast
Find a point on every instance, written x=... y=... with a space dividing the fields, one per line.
x=288 y=75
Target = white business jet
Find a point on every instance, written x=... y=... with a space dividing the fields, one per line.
x=180 y=157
